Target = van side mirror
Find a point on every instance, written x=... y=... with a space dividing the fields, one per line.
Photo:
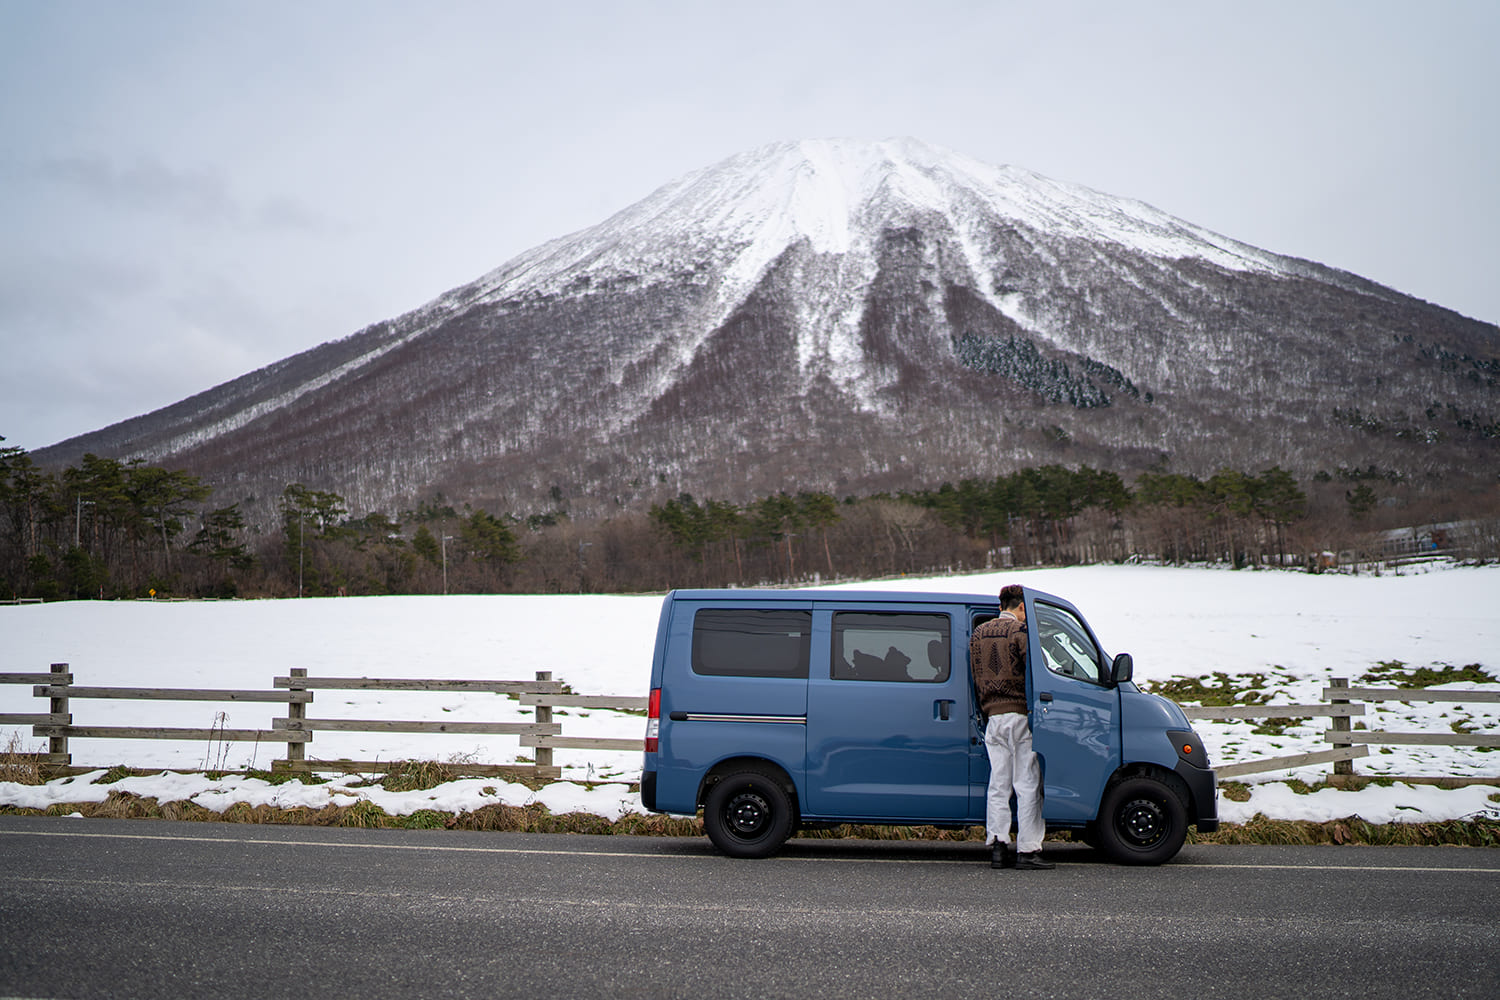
x=1122 y=669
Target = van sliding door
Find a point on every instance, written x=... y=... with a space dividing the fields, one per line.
x=888 y=716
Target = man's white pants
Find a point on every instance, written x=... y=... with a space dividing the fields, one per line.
x=1013 y=764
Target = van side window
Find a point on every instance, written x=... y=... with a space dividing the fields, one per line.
x=1066 y=644
x=742 y=642
x=895 y=646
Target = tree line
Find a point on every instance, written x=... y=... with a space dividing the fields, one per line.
x=111 y=529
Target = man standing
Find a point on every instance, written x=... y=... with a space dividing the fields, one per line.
x=997 y=658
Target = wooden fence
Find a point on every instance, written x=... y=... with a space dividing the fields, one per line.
x=543 y=734
x=297 y=728
x=1348 y=743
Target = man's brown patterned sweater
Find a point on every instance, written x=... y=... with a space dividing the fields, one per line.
x=997 y=657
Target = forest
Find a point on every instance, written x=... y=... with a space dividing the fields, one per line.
x=106 y=529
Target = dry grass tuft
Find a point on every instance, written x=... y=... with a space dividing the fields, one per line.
x=418 y=775
x=121 y=805
x=17 y=765
x=1353 y=830
x=364 y=813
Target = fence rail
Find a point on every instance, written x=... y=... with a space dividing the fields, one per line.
x=296 y=730
x=168 y=694
x=1225 y=712
x=53 y=718
x=1413 y=694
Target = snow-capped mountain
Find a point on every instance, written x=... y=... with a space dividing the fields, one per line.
x=848 y=316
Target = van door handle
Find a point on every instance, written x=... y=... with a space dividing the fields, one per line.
x=1045 y=696
x=943 y=707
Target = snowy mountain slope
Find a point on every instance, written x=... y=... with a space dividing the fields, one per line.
x=847 y=315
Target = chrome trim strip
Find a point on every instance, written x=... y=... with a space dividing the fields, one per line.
x=795 y=720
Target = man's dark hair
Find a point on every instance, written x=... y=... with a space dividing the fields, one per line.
x=1011 y=595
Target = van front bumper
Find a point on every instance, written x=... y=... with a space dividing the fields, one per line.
x=1205 y=789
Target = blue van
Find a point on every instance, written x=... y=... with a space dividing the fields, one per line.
x=779 y=710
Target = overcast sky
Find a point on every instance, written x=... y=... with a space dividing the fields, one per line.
x=192 y=190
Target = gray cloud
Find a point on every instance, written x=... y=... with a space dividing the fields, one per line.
x=199 y=196
x=147 y=185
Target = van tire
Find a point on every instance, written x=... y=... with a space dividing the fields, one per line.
x=1142 y=821
x=748 y=814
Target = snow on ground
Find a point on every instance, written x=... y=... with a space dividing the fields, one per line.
x=1298 y=630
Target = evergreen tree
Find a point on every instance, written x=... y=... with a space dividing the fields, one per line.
x=1361 y=501
x=487 y=538
x=425 y=544
x=820 y=511
x=219 y=539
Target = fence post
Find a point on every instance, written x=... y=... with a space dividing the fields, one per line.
x=1340 y=725
x=58 y=745
x=296 y=713
x=543 y=714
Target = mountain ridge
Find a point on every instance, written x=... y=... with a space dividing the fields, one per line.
x=827 y=306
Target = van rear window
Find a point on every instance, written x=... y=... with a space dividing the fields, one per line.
x=742 y=642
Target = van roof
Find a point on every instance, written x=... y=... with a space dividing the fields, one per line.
x=841 y=596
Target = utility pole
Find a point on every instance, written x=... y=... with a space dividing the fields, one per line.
x=445 y=562
x=78 y=520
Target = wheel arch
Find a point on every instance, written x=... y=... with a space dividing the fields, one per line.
x=733 y=765
x=1145 y=769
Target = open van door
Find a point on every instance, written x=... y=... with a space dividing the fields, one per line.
x=1075 y=710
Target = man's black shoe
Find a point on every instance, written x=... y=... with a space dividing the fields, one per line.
x=1001 y=856
x=1032 y=863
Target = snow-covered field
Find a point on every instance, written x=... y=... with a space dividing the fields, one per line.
x=1296 y=629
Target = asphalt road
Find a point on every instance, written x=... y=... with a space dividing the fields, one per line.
x=97 y=908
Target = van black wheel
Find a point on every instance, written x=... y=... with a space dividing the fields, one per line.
x=1141 y=822
x=748 y=814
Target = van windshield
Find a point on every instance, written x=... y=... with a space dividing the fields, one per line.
x=1066 y=644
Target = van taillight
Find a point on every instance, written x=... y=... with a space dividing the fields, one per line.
x=653 y=720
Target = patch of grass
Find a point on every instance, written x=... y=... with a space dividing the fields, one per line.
x=282 y=777
x=1226 y=690
x=124 y=805
x=188 y=811
x=1353 y=830
x=1398 y=674
x=363 y=813
x=114 y=774
x=18 y=766
x=243 y=812
x=1276 y=727
x=1235 y=791
x=424 y=819
x=416 y=775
